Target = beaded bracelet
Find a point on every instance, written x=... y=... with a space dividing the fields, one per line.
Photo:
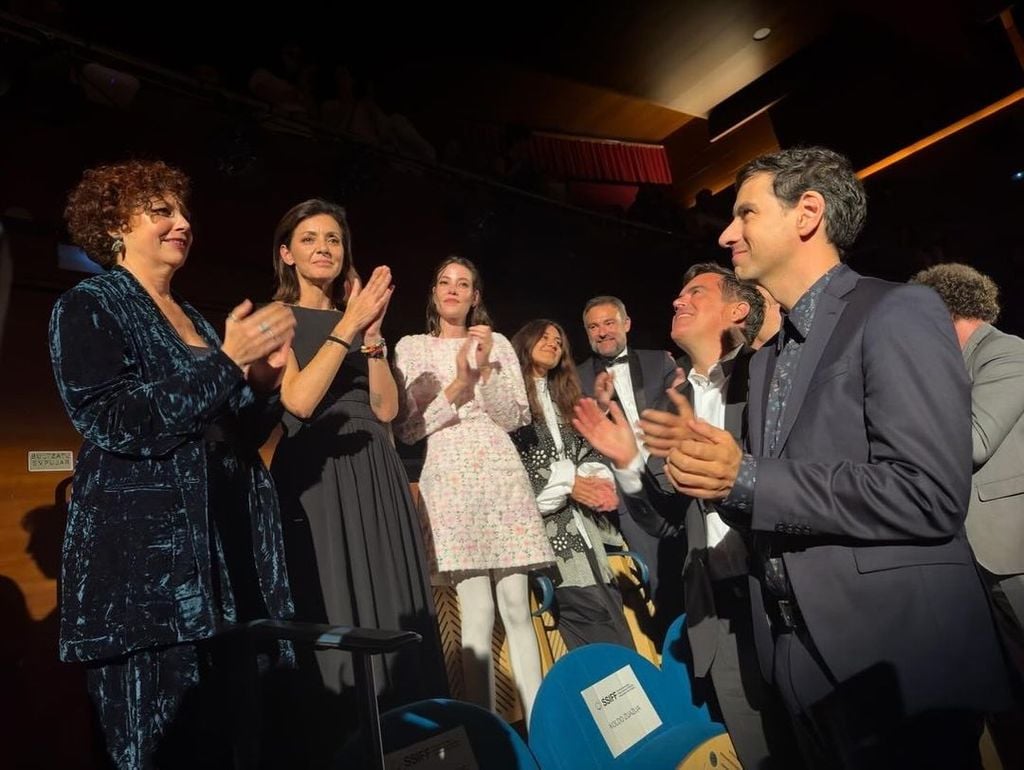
x=377 y=350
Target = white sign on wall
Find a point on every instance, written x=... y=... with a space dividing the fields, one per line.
x=50 y=461
x=620 y=707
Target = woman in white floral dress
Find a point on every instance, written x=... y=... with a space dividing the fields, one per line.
x=463 y=389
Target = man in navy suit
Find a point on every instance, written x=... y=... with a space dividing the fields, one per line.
x=712 y=317
x=636 y=379
x=869 y=613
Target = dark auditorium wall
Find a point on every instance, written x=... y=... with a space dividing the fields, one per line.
x=538 y=259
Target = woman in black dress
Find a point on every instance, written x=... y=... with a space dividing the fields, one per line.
x=355 y=551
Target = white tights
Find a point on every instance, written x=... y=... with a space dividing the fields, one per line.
x=476 y=610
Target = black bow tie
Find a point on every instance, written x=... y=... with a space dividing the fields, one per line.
x=623 y=359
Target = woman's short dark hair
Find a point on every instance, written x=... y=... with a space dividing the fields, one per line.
x=478 y=314
x=287 y=281
x=108 y=196
x=563 y=382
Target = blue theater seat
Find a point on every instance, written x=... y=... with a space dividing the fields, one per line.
x=434 y=724
x=565 y=736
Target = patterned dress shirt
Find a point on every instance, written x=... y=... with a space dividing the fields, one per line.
x=796 y=325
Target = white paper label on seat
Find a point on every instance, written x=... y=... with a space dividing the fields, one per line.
x=620 y=707
x=449 y=750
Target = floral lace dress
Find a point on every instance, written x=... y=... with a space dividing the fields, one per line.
x=477 y=499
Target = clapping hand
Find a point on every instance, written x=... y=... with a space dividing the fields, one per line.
x=259 y=342
x=663 y=431
x=613 y=437
x=265 y=333
x=604 y=390
x=706 y=465
x=377 y=293
x=595 y=493
x=484 y=344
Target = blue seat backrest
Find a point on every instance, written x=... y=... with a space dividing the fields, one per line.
x=677 y=661
x=495 y=745
x=565 y=736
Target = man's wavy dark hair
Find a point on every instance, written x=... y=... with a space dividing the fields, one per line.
x=800 y=169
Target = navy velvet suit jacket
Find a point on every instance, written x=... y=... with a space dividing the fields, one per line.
x=136 y=568
x=865 y=496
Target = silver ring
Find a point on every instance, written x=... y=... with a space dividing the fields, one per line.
x=264 y=327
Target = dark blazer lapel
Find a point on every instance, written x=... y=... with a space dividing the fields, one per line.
x=203 y=327
x=152 y=319
x=830 y=308
x=587 y=371
x=736 y=394
x=636 y=375
x=761 y=366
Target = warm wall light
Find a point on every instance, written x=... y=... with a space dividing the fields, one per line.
x=944 y=133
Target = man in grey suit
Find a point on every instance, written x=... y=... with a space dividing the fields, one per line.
x=869 y=614
x=995 y=518
x=635 y=379
x=713 y=316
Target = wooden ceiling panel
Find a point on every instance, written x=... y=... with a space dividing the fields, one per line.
x=497 y=93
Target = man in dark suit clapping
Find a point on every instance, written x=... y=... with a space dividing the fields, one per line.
x=636 y=379
x=869 y=614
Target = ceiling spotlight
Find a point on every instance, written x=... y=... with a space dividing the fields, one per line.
x=1017 y=176
x=762 y=33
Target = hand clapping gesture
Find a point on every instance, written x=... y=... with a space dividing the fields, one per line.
x=604 y=390
x=484 y=343
x=595 y=493
x=700 y=459
x=265 y=333
x=366 y=305
x=613 y=437
x=663 y=431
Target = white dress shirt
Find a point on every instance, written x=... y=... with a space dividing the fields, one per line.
x=727 y=555
x=563 y=470
x=623 y=380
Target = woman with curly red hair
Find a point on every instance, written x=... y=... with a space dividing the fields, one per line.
x=173 y=528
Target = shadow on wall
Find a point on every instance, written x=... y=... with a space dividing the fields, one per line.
x=45 y=716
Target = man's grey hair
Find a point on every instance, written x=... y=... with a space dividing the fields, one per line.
x=605 y=299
